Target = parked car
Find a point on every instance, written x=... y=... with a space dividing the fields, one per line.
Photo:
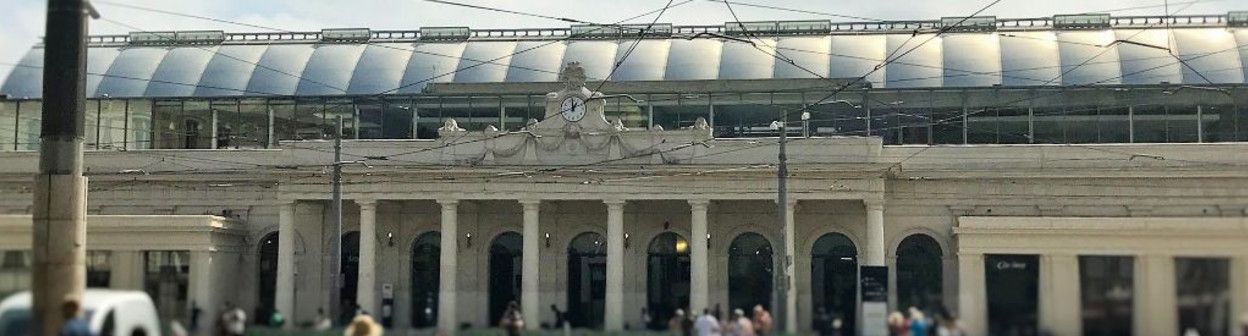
x=108 y=313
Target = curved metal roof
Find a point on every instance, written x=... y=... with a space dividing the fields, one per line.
x=956 y=59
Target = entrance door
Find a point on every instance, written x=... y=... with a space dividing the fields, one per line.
x=166 y=280
x=587 y=281
x=667 y=283
x=426 y=272
x=834 y=279
x=750 y=273
x=350 y=274
x=268 y=276
x=1013 y=283
x=505 y=263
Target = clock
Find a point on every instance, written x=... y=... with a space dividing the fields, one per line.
x=573 y=109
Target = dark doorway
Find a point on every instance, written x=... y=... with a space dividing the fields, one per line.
x=667 y=282
x=1204 y=294
x=587 y=281
x=834 y=279
x=350 y=273
x=505 y=263
x=1106 y=288
x=919 y=274
x=426 y=272
x=1013 y=284
x=268 y=276
x=750 y=274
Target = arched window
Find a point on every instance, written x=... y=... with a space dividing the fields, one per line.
x=587 y=281
x=750 y=274
x=505 y=265
x=834 y=279
x=919 y=270
x=426 y=272
x=667 y=280
x=267 y=263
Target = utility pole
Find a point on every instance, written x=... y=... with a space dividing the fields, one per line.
x=60 y=202
x=782 y=198
x=335 y=244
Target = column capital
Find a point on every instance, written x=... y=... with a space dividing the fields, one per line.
x=614 y=202
x=448 y=202
x=366 y=202
x=527 y=202
x=699 y=203
x=873 y=203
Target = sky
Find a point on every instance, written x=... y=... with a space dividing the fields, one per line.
x=22 y=24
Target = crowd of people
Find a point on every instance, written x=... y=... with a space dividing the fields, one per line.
x=918 y=324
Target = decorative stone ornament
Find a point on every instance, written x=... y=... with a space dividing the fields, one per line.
x=573 y=76
x=450 y=125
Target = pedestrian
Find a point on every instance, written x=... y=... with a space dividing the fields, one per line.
x=512 y=321
x=707 y=324
x=363 y=325
x=918 y=322
x=235 y=321
x=949 y=326
x=645 y=320
x=821 y=322
x=686 y=324
x=193 y=322
x=897 y=324
x=732 y=325
x=276 y=320
x=323 y=322
x=837 y=324
x=762 y=321
x=747 y=327
x=74 y=324
x=676 y=323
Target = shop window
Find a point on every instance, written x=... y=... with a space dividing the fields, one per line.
x=1106 y=286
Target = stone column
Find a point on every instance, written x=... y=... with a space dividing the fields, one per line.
x=530 y=298
x=366 y=293
x=1239 y=289
x=790 y=297
x=200 y=289
x=1156 y=303
x=699 y=284
x=449 y=267
x=615 y=265
x=1059 y=294
x=972 y=294
x=284 y=298
x=875 y=232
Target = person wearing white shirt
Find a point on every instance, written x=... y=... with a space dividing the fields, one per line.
x=707 y=325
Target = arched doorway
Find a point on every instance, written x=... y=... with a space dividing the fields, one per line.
x=667 y=282
x=268 y=276
x=587 y=281
x=750 y=276
x=426 y=272
x=834 y=279
x=919 y=269
x=350 y=274
x=505 y=264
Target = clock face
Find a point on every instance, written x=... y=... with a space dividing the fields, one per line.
x=573 y=109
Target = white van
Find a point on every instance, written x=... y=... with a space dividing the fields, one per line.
x=108 y=313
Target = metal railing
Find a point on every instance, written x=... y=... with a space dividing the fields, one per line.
x=1040 y=23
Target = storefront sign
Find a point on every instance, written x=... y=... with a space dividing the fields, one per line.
x=873 y=284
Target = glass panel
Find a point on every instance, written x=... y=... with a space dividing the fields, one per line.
x=1080 y=121
x=674 y=112
x=8 y=125
x=15 y=269
x=947 y=116
x=170 y=129
x=842 y=114
x=308 y=121
x=91 y=135
x=1049 y=117
x=112 y=124
x=633 y=114
x=1107 y=287
x=747 y=115
x=1148 y=120
x=99 y=272
x=371 y=122
x=919 y=274
x=486 y=111
x=250 y=125
x=139 y=124
x=789 y=104
x=29 y=123
x=1204 y=297
x=429 y=112
x=284 y=124
x=983 y=120
x=339 y=107
x=396 y=119
x=196 y=125
x=516 y=111
x=1013 y=293
x=166 y=278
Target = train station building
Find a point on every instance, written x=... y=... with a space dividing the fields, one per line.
x=1070 y=174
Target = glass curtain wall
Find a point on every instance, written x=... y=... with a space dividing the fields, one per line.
x=8 y=125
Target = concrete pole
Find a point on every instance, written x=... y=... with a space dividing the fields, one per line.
x=615 y=265
x=335 y=242
x=781 y=282
x=699 y=284
x=972 y=294
x=449 y=266
x=790 y=297
x=875 y=232
x=366 y=294
x=60 y=202
x=285 y=296
x=530 y=298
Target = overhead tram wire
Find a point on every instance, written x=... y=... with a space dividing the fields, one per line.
x=800 y=11
x=640 y=36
